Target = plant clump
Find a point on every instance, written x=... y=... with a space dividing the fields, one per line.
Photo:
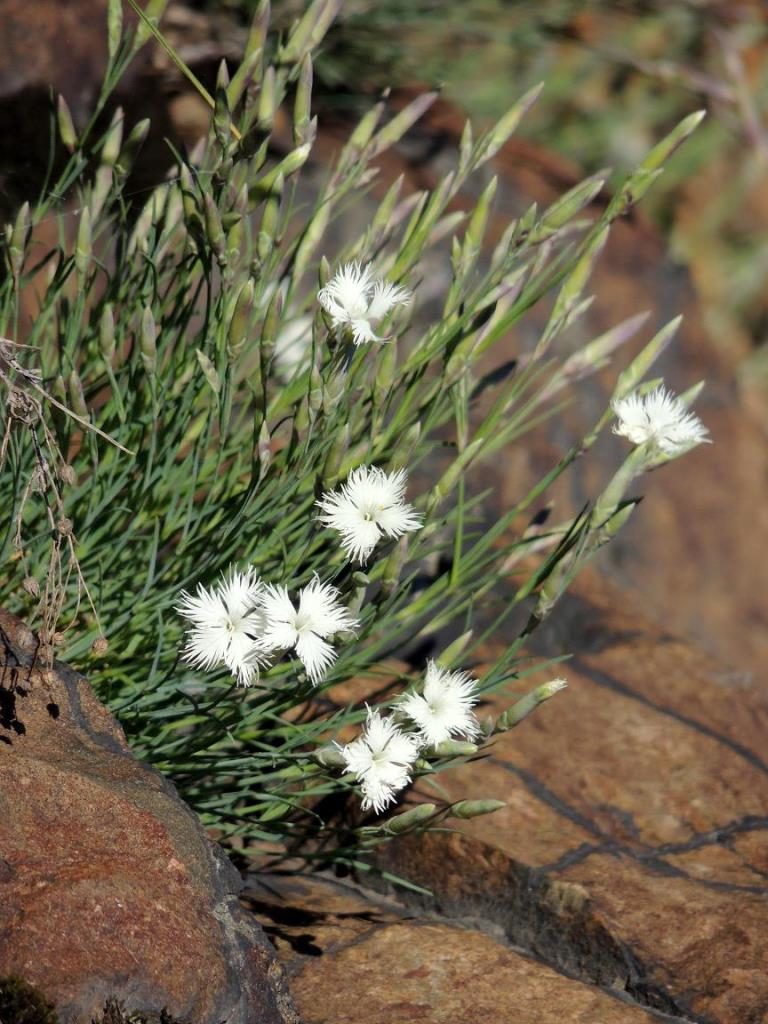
x=240 y=453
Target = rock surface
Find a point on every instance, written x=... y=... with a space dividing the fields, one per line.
x=632 y=852
x=108 y=884
x=352 y=957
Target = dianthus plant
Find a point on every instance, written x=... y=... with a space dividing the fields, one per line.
x=239 y=454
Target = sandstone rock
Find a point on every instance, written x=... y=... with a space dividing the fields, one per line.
x=108 y=884
x=632 y=849
x=352 y=957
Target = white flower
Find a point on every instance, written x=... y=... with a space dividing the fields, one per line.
x=381 y=759
x=306 y=630
x=354 y=299
x=367 y=506
x=661 y=419
x=444 y=709
x=227 y=621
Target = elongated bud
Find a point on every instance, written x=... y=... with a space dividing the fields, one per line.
x=454 y=651
x=147 y=340
x=664 y=149
x=271 y=328
x=188 y=196
x=355 y=602
x=241 y=318
x=288 y=166
x=385 y=373
x=393 y=567
x=222 y=117
x=113 y=139
x=409 y=819
x=77 y=395
x=406 y=446
x=302 y=107
x=107 y=332
x=329 y=757
x=315 y=396
x=213 y=227
x=395 y=129
x=361 y=134
x=66 y=124
x=335 y=456
x=270 y=220
x=334 y=386
x=248 y=73
x=455 y=748
x=83 y=246
x=323 y=272
x=18 y=242
x=473 y=239
x=114 y=26
x=309 y=31
x=465 y=809
x=265 y=117
x=102 y=186
x=566 y=208
x=264 y=450
x=466 y=147
x=133 y=144
x=209 y=371
x=491 y=143
x=526 y=705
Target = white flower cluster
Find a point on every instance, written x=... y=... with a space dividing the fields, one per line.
x=242 y=622
x=353 y=300
x=660 y=420
x=382 y=758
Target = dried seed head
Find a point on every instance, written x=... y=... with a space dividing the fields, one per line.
x=100 y=645
x=37 y=481
x=22 y=407
x=67 y=474
x=64 y=527
x=57 y=639
x=31 y=586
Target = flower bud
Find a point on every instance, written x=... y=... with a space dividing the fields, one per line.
x=83 y=246
x=147 y=340
x=77 y=395
x=329 y=757
x=474 y=808
x=66 y=124
x=455 y=748
x=527 y=704
x=409 y=819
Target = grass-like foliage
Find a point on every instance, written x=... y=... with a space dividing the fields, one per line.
x=201 y=382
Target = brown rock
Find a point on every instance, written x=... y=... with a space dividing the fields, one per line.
x=108 y=884
x=632 y=849
x=353 y=957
